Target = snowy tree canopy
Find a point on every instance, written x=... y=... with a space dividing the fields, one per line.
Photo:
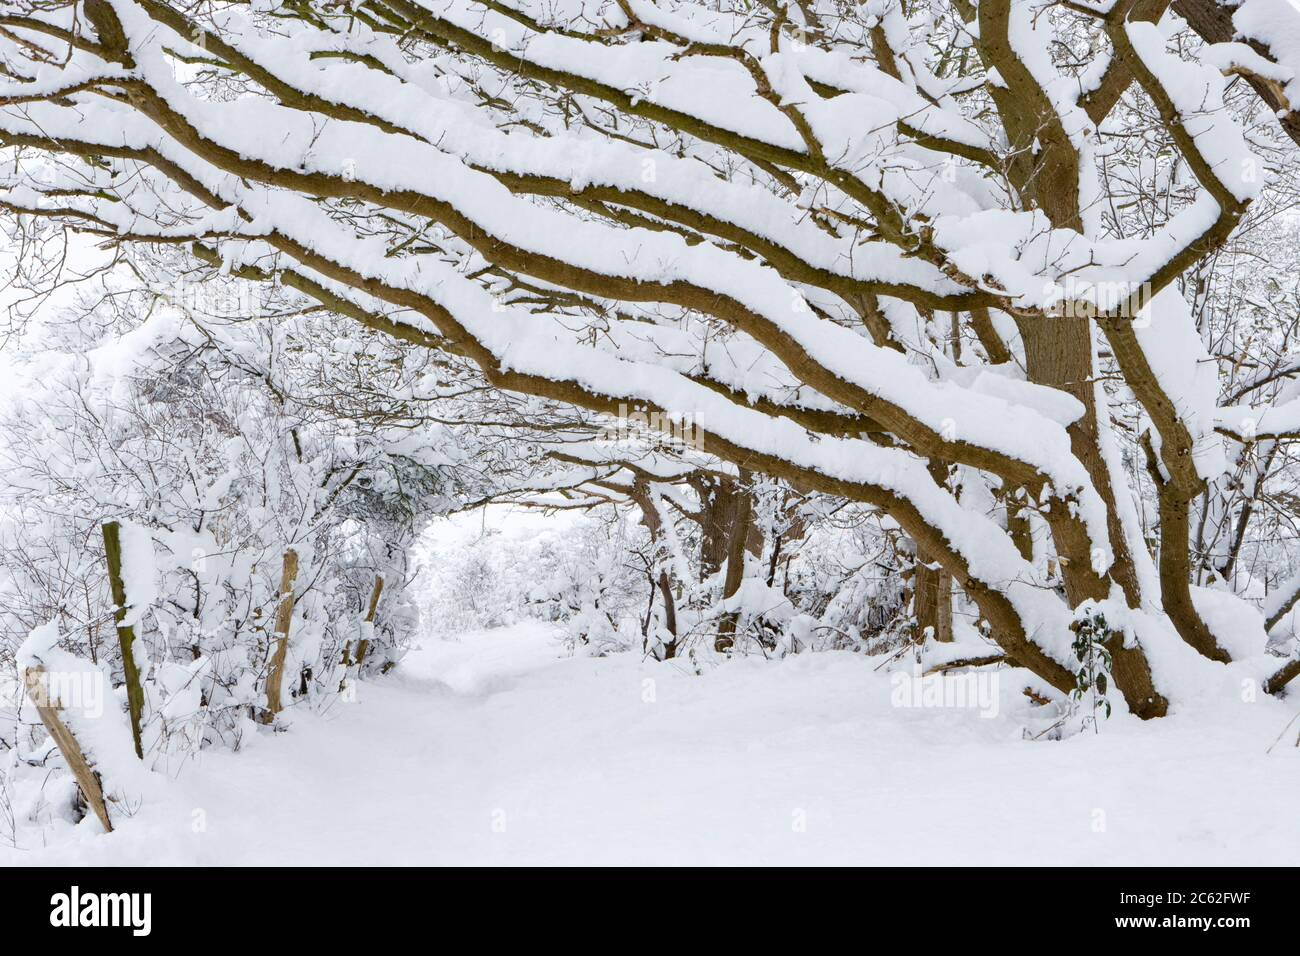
x=888 y=252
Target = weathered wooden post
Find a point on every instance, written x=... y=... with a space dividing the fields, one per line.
x=125 y=632
x=85 y=775
x=364 y=644
x=283 y=618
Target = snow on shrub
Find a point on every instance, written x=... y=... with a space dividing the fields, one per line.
x=573 y=571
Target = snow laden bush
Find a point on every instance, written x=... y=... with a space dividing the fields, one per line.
x=850 y=578
x=731 y=563
x=573 y=570
x=216 y=448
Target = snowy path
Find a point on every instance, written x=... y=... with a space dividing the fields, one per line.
x=494 y=751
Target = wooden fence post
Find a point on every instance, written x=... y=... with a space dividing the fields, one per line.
x=283 y=618
x=364 y=644
x=125 y=632
x=82 y=771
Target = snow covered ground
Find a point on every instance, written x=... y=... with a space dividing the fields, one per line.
x=497 y=749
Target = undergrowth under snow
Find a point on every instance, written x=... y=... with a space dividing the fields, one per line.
x=502 y=748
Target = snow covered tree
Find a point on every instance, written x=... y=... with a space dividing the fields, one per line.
x=876 y=251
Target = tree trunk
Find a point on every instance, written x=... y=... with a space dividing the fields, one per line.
x=932 y=599
x=670 y=615
x=717 y=515
x=1175 y=566
x=742 y=527
x=728 y=531
x=1058 y=353
x=653 y=522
